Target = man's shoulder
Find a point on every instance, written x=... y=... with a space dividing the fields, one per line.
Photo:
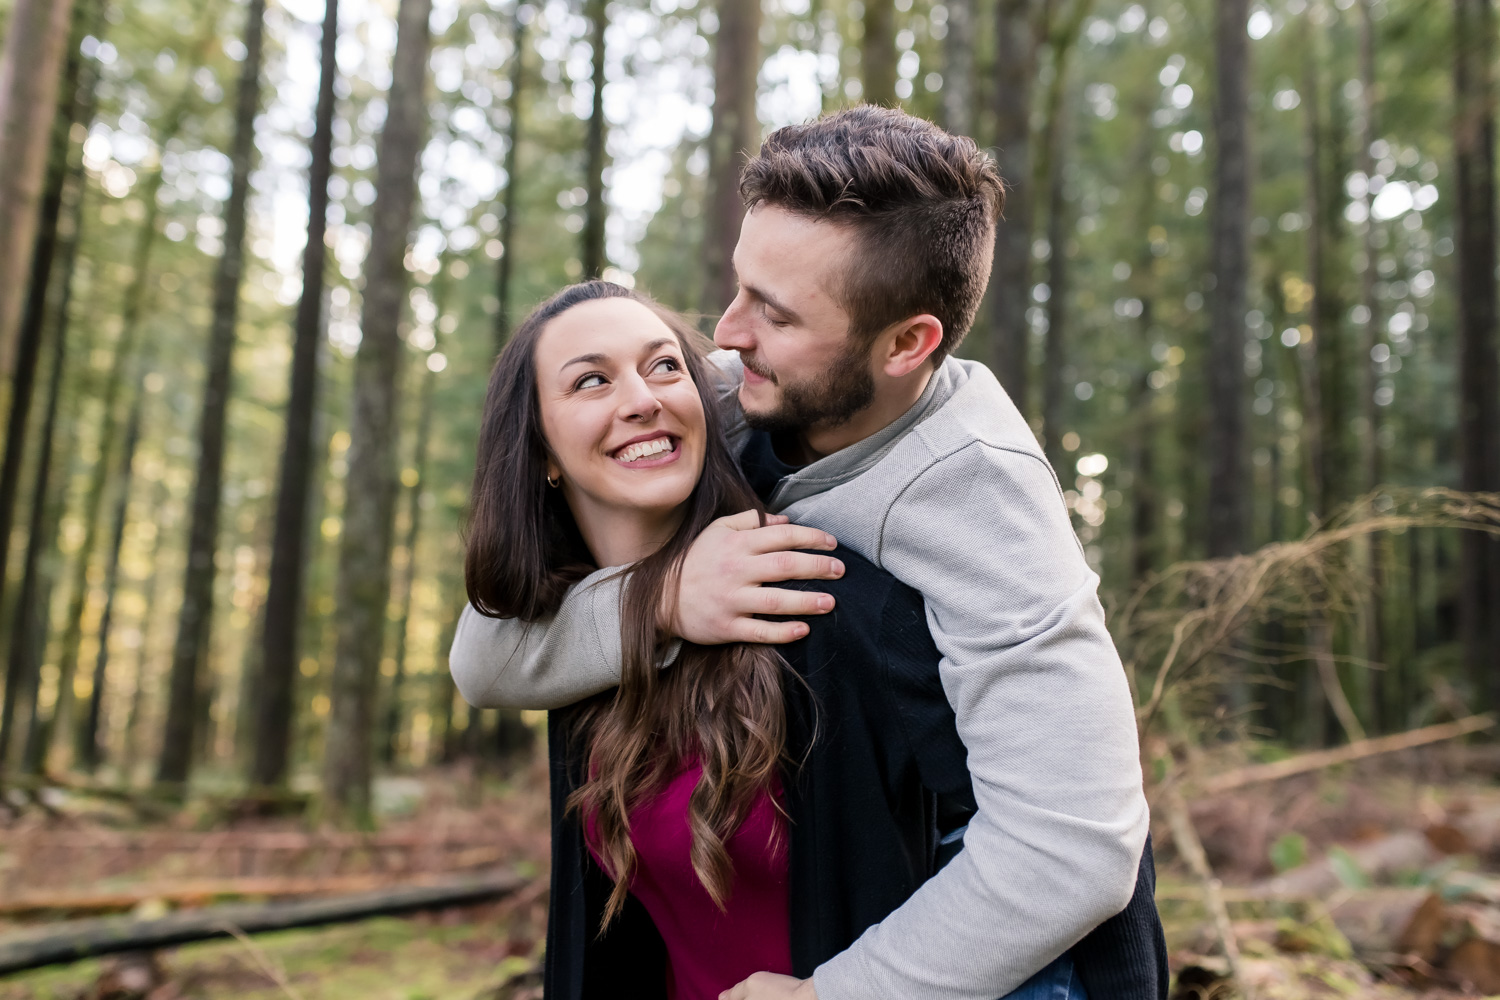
x=978 y=410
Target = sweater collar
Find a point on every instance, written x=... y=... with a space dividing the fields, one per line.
x=847 y=463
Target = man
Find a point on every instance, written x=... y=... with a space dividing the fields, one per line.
x=861 y=262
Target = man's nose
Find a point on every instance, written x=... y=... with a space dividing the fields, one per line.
x=733 y=332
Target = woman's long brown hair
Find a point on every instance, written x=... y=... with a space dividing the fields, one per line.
x=720 y=705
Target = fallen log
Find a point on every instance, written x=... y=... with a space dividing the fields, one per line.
x=1377 y=861
x=77 y=939
x=191 y=892
x=1358 y=750
x=1393 y=921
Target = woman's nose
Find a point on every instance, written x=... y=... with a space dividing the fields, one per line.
x=637 y=400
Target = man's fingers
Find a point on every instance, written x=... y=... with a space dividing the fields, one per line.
x=776 y=601
x=777 y=537
x=774 y=567
x=745 y=520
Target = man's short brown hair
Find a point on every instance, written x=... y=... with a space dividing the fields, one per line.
x=922 y=204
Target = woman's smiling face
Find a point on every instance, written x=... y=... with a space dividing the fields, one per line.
x=623 y=422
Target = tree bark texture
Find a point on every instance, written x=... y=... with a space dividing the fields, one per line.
x=1376 y=551
x=1054 y=391
x=877 y=53
x=734 y=135
x=126 y=367
x=1010 y=281
x=131 y=738
x=283 y=609
x=1230 y=262
x=86 y=738
x=30 y=69
x=505 y=267
x=390 y=741
x=75 y=104
x=365 y=550
x=24 y=659
x=1479 y=340
x=198 y=579
x=958 y=68
x=1055 y=140
x=595 y=210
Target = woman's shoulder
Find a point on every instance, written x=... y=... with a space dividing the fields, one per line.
x=870 y=604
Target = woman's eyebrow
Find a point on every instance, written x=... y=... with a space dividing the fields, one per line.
x=585 y=359
x=657 y=344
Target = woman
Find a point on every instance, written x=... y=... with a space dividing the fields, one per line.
x=702 y=831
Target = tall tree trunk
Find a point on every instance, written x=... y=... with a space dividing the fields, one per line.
x=877 y=53
x=734 y=134
x=595 y=211
x=365 y=546
x=390 y=743
x=1479 y=340
x=86 y=739
x=1325 y=346
x=958 y=68
x=273 y=712
x=1373 y=472
x=505 y=268
x=1375 y=551
x=1054 y=392
x=198 y=579
x=1227 y=510
x=75 y=104
x=125 y=365
x=1145 y=500
x=30 y=66
x=1055 y=138
x=41 y=532
x=27 y=625
x=130 y=739
x=1010 y=283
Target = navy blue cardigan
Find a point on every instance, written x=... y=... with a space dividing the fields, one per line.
x=875 y=773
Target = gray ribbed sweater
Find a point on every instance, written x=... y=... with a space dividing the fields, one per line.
x=955 y=500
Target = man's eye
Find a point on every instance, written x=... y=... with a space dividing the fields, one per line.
x=589 y=381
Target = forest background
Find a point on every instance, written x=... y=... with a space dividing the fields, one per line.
x=1245 y=291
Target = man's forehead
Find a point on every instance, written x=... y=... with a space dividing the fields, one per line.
x=785 y=255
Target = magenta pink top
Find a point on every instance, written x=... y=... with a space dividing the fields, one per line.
x=709 y=950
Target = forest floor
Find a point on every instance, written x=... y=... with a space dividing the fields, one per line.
x=1323 y=876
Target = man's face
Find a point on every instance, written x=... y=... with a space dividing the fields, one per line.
x=802 y=370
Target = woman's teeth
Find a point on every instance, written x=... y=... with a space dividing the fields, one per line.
x=644 y=449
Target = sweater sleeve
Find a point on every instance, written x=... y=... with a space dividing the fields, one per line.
x=510 y=663
x=1045 y=713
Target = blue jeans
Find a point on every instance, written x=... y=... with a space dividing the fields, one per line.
x=1056 y=982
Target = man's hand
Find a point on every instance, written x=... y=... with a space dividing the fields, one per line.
x=770 y=986
x=721 y=590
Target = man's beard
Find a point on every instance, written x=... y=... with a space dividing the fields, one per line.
x=829 y=398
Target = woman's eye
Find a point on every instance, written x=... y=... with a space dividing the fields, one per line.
x=666 y=365
x=589 y=381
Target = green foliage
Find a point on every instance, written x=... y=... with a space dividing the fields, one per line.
x=1346 y=869
x=1288 y=852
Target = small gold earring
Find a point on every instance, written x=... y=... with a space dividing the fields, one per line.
x=554 y=483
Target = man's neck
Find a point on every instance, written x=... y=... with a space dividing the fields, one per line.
x=892 y=400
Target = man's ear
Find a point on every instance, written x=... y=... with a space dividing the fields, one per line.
x=911 y=342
